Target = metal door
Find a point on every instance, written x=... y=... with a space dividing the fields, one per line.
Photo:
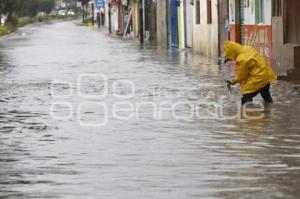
x=173 y=23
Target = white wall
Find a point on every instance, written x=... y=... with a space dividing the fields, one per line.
x=249 y=13
x=114 y=18
x=232 y=11
x=206 y=36
x=106 y=23
x=182 y=28
x=267 y=12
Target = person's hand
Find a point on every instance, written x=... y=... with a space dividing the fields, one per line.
x=228 y=82
x=228 y=59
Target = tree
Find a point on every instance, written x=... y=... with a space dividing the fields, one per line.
x=46 y=6
x=26 y=7
x=11 y=6
x=1 y=9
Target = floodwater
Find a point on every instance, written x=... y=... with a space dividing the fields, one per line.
x=59 y=140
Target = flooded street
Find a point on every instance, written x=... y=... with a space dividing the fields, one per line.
x=52 y=146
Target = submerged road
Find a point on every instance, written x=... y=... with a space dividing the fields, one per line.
x=85 y=115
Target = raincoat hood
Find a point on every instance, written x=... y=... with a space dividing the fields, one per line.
x=232 y=50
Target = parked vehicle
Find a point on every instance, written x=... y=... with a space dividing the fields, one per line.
x=62 y=12
x=54 y=13
x=71 y=12
x=41 y=14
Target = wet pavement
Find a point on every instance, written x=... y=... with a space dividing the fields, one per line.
x=52 y=146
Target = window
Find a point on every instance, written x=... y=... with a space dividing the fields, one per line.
x=276 y=8
x=259 y=11
x=209 y=14
x=246 y=4
x=197 y=11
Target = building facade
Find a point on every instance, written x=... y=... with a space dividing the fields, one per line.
x=251 y=24
x=206 y=28
x=130 y=18
x=286 y=37
x=175 y=23
x=162 y=24
x=271 y=26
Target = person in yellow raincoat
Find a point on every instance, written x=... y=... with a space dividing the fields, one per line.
x=253 y=72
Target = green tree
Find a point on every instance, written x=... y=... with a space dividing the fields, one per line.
x=1 y=10
x=26 y=7
x=46 y=6
x=11 y=6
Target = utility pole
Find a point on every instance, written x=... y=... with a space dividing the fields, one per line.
x=141 y=24
x=93 y=13
x=109 y=18
x=82 y=13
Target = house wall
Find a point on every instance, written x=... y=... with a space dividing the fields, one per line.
x=106 y=8
x=223 y=17
x=234 y=18
x=250 y=31
x=188 y=23
x=286 y=56
x=259 y=34
x=181 y=25
x=205 y=36
x=162 y=24
x=151 y=20
x=114 y=18
x=135 y=18
x=282 y=54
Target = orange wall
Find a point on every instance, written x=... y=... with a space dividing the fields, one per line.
x=258 y=36
x=235 y=33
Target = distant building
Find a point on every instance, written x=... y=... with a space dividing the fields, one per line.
x=125 y=18
x=271 y=27
x=286 y=37
x=175 y=23
x=206 y=28
x=162 y=24
x=60 y=4
x=251 y=24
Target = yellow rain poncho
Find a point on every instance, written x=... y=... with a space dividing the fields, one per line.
x=252 y=72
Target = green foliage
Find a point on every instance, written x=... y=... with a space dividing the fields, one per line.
x=23 y=12
x=11 y=6
x=26 y=7
x=4 y=30
x=24 y=21
x=32 y=7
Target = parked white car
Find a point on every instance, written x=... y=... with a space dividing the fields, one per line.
x=71 y=12
x=54 y=13
x=62 y=12
x=41 y=14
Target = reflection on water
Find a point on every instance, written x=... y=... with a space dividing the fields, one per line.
x=41 y=157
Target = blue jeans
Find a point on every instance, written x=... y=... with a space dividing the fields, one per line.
x=264 y=92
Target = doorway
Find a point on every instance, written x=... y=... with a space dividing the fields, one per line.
x=292 y=10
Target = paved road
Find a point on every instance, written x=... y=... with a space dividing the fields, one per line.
x=84 y=115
